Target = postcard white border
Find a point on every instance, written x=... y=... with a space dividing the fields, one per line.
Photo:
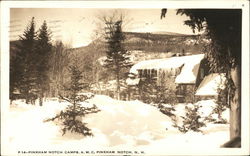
x=244 y=5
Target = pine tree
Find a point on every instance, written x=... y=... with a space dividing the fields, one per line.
x=72 y=117
x=191 y=120
x=43 y=50
x=25 y=64
x=117 y=56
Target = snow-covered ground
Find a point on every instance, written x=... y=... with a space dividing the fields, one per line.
x=119 y=124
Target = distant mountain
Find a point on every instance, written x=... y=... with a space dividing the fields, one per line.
x=145 y=43
x=156 y=42
x=168 y=33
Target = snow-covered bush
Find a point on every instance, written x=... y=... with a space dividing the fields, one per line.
x=216 y=115
x=213 y=112
x=192 y=120
x=71 y=117
x=198 y=115
x=167 y=110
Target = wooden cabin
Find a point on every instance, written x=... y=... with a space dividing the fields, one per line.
x=187 y=71
x=208 y=88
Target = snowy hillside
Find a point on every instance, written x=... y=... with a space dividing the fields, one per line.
x=119 y=125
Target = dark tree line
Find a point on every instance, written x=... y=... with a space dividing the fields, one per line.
x=30 y=65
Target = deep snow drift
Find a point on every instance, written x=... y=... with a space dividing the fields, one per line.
x=119 y=124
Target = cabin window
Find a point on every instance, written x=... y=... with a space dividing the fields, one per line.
x=144 y=73
x=181 y=89
x=148 y=73
x=140 y=73
x=153 y=73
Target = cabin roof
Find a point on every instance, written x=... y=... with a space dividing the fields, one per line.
x=190 y=69
x=210 y=84
x=188 y=73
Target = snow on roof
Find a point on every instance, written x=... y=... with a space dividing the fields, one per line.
x=210 y=84
x=190 y=70
x=167 y=63
x=188 y=73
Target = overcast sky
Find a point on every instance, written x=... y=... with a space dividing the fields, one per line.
x=75 y=26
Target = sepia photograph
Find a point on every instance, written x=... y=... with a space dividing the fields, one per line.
x=121 y=78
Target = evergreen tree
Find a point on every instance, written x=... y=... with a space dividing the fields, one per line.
x=72 y=117
x=43 y=50
x=117 y=56
x=191 y=120
x=223 y=27
x=25 y=64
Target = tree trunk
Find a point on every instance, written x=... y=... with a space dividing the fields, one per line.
x=41 y=99
x=235 y=103
x=27 y=99
x=74 y=110
x=118 y=85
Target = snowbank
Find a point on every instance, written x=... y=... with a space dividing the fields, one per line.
x=119 y=124
x=133 y=119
